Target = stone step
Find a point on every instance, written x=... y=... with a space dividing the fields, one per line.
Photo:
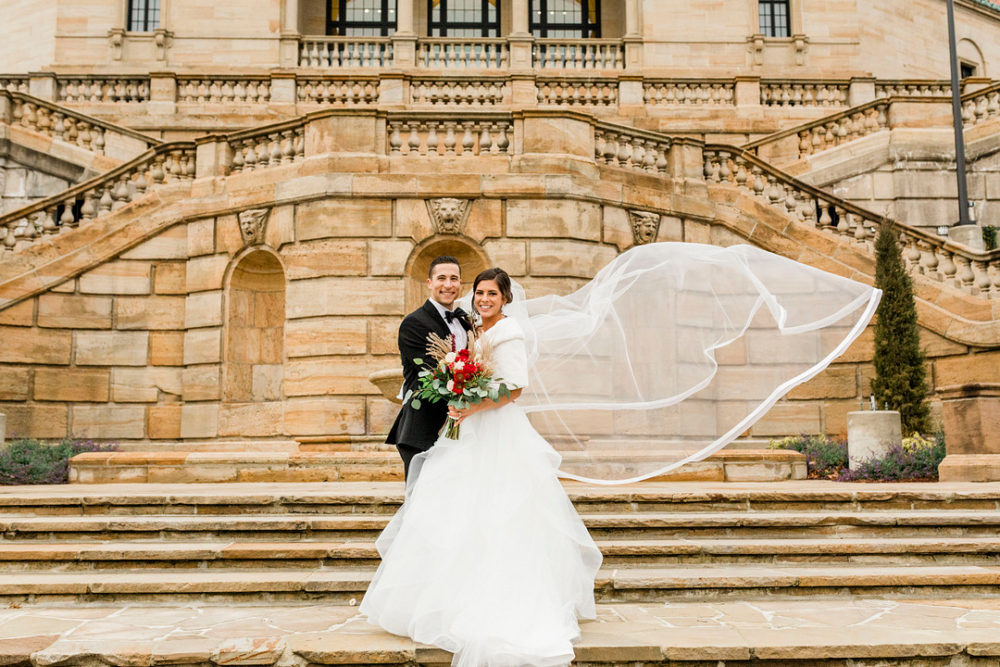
x=647 y=584
x=861 y=632
x=632 y=525
x=63 y=556
x=738 y=465
x=385 y=498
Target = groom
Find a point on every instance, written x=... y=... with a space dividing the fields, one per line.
x=415 y=431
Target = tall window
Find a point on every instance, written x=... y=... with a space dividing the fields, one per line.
x=774 y=18
x=574 y=19
x=361 y=18
x=143 y=15
x=464 y=18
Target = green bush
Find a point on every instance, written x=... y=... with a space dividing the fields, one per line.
x=990 y=237
x=825 y=457
x=29 y=461
x=916 y=458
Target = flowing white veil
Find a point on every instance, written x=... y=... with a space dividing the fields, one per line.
x=675 y=349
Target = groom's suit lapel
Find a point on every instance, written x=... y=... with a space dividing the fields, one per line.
x=440 y=326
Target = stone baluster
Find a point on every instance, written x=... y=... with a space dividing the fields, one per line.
x=965 y=278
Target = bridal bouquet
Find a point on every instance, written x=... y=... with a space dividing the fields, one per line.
x=461 y=377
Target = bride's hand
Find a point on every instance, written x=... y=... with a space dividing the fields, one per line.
x=460 y=415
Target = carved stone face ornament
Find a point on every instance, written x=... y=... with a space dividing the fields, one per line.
x=645 y=226
x=449 y=214
x=252 y=225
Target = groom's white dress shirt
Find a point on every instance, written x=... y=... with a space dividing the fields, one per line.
x=456 y=328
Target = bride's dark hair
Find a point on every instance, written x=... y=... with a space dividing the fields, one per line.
x=500 y=277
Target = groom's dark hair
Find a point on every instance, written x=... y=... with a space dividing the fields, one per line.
x=442 y=259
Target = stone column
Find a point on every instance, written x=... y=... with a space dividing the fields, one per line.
x=520 y=40
x=288 y=46
x=519 y=17
x=404 y=17
x=633 y=37
x=404 y=40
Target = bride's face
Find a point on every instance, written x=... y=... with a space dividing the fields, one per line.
x=488 y=299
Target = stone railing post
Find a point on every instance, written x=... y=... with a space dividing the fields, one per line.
x=970 y=413
x=352 y=132
x=560 y=143
x=404 y=40
x=860 y=91
x=213 y=155
x=283 y=89
x=6 y=109
x=393 y=88
x=746 y=91
x=523 y=90
x=630 y=93
x=162 y=93
x=974 y=83
x=686 y=160
x=633 y=36
x=43 y=85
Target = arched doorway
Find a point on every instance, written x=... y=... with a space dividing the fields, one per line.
x=470 y=257
x=255 y=329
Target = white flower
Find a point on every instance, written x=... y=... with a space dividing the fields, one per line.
x=460 y=365
x=450 y=386
x=449 y=358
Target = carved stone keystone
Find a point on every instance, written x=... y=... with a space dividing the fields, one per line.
x=252 y=225
x=645 y=226
x=449 y=214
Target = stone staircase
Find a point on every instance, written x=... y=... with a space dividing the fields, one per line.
x=684 y=550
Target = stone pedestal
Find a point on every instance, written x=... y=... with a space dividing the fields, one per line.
x=971 y=417
x=970 y=236
x=872 y=434
x=388 y=382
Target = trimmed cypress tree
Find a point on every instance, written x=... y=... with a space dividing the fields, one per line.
x=900 y=377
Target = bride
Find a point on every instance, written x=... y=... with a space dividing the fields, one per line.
x=487 y=558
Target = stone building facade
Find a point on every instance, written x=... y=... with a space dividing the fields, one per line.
x=256 y=202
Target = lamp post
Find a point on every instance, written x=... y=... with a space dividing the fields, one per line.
x=956 y=113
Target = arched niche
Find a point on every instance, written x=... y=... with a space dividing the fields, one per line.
x=470 y=257
x=255 y=328
x=969 y=53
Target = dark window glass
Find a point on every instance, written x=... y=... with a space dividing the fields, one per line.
x=567 y=19
x=463 y=18
x=966 y=70
x=143 y=15
x=361 y=18
x=774 y=18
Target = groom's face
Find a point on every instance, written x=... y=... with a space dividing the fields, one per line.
x=445 y=284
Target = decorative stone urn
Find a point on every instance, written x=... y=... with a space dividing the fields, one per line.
x=388 y=382
x=871 y=434
x=971 y=418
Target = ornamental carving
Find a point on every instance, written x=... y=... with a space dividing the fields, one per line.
x=252 y=225
x=645 y=226
x=449 y=214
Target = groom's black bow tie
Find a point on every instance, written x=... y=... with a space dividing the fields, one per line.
x=450 y=315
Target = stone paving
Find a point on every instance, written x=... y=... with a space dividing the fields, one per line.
x=264 y=635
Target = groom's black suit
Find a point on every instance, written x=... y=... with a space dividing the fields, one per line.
x=415 y=431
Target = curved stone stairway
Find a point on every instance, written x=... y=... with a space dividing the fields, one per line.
x=805 y=573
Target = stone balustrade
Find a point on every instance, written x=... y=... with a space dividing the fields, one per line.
x=415 y=134
x=269 y=146
x=15 y=83
x=578 y=54
x=68 y=126
x=326 y=52
x=790 y=93
x=463 y=92
x=577 y=93
x=326 y=90
x=689 y=92
x=629 y=148
x=166 y=163
x=831 y=130
x=934 y=257
x=224 y=89
x=981 y=105
x=912 y=88
x=104 y=89
x=453 y=53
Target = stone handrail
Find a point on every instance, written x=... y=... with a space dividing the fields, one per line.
x=578 y=54
x=468 y=91
x=334 y=90
x=832 y=130
x=576 y=92
x=59 y=122
x=466 y=134
x=224 y=89
x=112 y=88
x=268 y=146
x=797 y=93
x=631 y=148
x=934 y=257
x=689 y=91
x=912 y=88
x=458 y=53
x=165 y=163
x=370 y=52
x=981 y=105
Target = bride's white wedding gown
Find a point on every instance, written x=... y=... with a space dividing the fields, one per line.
x=487 y=558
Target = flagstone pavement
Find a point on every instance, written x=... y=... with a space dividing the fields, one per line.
x=310 y=633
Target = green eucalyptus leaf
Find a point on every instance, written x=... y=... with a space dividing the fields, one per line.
x=415 y=404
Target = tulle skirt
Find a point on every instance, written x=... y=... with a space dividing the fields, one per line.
x=487 y=557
